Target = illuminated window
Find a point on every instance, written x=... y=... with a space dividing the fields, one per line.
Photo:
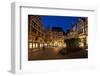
x=36 y=45
x=64 y=45
x=45 y=44
x=41 y=45
x=30 y=45
x=81 y=44
x=33 y=45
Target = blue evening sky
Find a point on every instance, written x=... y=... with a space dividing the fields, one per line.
x=66 y=22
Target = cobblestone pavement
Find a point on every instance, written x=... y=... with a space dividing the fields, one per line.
x=53 y=53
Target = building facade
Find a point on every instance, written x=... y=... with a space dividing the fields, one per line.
x=72 y=33
x=35 y=32
x=48 y=37
x=83 y=31
x=80 y=30
x=58 y=36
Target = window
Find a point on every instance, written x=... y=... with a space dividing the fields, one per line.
x=34 y=30
x=80 y=31
x=41 y=45
x=33 y=45
x=30 y=45
x=36 y=45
